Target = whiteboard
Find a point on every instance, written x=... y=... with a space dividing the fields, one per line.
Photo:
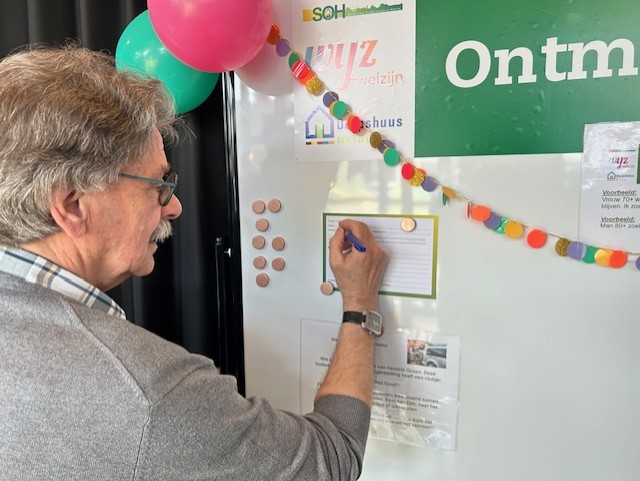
x=549 y=363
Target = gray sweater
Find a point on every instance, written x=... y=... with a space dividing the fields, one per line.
x=85 y=395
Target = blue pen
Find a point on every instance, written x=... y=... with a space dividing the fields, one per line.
x=355 y=242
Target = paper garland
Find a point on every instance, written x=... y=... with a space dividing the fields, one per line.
x=417 y=177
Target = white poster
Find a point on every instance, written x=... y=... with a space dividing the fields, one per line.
x=610 y=199
x=416 y=383
x=364 y=53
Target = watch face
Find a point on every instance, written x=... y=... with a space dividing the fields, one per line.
x=373 y=323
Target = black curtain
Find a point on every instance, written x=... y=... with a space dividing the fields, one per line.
x=193 y=296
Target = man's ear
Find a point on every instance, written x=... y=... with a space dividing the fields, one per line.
x=69 y=212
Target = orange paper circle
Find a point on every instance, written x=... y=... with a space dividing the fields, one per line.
x=480 y=213
x=536 y=238
x=618 y=259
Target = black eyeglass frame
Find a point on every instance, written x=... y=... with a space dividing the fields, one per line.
x=170 y=180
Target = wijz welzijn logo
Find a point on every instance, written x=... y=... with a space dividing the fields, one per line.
x=341 y=11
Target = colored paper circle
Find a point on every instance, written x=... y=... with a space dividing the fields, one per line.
x=513 y=229
x=274 y=34
x=449 y=192
x=577 y=250
x=338 y=108
x=314 y=86
x=602 y=257
x=589 y=257
x=561 y=247
x=536 y=238
x=618 y=259
x=329 y=98
x=638 y=262
x=407 y=170
x=493 y=222
x=418 y=177
x=500 y=228
x=282 y=47
x=391 y=157
x=293 y=58
x=480 y=213
x=429 y=184
x=299 y=69
x=386 y=144
x=354 y=124
x=375 y=139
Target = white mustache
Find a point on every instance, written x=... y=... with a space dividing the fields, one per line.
x=162 y=232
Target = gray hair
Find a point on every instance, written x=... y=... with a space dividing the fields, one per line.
x=68 y=119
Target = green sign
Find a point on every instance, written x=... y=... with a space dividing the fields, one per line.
x=513 y=77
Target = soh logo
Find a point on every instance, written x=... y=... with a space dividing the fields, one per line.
x=336 y=12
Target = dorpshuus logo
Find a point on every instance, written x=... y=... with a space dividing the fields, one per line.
x=335 y=12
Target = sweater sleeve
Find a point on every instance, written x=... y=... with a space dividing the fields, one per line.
x=203 y=429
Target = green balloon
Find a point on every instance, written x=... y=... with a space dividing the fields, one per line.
x=140 y=51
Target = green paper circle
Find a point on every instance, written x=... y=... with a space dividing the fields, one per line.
x=391 y=157
x=338 y=108
x=589 y=257
x=293 y=58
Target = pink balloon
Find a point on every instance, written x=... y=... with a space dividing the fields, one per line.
x=212 y=35
x=268 y=73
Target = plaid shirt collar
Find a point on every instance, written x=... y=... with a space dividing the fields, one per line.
x=38 y=270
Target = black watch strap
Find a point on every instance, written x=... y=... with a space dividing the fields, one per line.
x=353 y=316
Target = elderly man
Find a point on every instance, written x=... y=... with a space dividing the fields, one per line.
x=85 y=197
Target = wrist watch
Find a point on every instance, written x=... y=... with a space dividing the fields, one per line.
x=371 y=321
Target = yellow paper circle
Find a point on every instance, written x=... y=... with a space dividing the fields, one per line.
x=449 y=192
x=513 y=229
x=603 y=257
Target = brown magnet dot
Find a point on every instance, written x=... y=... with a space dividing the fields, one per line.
x=561 y=247
x=258 y=206
x=278 y=243
x=259 y=262
x=274 y=206
x=327 y=288
x=278 y=264
x=258 y=242
x=262 y=225
x=262 y=280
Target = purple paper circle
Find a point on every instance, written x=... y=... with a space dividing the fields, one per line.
x=329 y=98
x=282 y=47
x=638 y=263
x=386 y=144
x=429 y=184
x=493 y=222
x=577 y=250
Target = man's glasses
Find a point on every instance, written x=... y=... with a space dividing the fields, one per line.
x=167 y=185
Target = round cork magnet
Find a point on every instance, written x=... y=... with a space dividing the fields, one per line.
x=259 y=262
x=258 y=242
x=262 y=224
x=278 y=264
x=278 y=243
x=327 y=288
x=262 y=280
